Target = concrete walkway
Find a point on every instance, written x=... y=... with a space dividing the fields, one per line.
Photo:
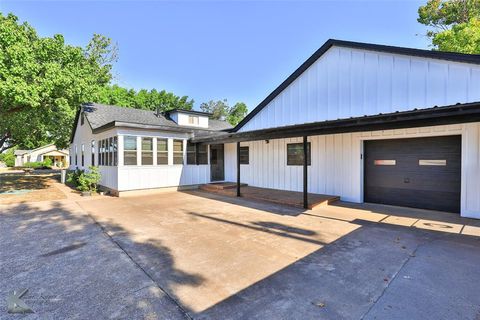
x=194 y=255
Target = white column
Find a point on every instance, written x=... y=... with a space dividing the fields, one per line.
x=119 y=150
x=170 y=152
x=139 y=151
x=184 y=151
x=154 y=141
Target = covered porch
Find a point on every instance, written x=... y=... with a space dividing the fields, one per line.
x=335 y=166
x=284 y=197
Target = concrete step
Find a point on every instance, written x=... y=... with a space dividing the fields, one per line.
x=220 y=186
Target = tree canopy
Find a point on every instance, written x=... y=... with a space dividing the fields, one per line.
x=455 y=24
x=43 y=81
x=221 y=110
x=143 y=99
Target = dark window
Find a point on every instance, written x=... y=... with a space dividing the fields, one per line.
x=295 y=154
x=82 y=119
x=162 y=151
x=115 y=153
x=191 y=153
x=93 y=152
x=177 y=151
x=101 y=152
x=107 y=152
x=83 y=155
x=202 y=154
x=147 y=151
x=76 y=155
x=244 y=155
x=110 y=151
x=130 y=151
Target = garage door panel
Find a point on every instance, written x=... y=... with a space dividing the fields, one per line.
x=423 y=199
x=410 y=181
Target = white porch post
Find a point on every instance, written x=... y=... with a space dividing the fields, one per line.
x=139 y=151
x=119 y=150
x=170 y=152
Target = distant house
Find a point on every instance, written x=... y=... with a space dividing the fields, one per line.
x=59 y=157
x=366 y=122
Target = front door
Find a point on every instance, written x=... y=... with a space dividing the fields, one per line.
x=217 y=172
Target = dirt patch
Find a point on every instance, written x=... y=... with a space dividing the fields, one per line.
x=26 y=188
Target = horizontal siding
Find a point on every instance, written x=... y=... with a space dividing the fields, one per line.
x=337 y=165
x=348 y=82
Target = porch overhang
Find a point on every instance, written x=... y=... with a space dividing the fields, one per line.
x=459 y=113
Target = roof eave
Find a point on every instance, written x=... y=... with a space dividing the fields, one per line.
x=461 y=113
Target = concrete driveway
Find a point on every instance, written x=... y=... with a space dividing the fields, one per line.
x=196 y=255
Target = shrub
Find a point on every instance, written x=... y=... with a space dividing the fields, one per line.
x=88 y=180
x=34 y=165
x=47 y=162
x=8 y=157
x=73 y=175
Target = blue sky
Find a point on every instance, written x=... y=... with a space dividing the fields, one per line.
x=220 y=49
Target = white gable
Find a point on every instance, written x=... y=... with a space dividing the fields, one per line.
x=346 y=82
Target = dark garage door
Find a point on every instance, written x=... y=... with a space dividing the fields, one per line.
x=420 y=172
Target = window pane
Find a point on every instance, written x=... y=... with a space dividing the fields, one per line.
x=130 y=143
x=191 y=153
x=193 y=120
x=191 y=158
x=244 y=155
x=177 y=159
x=295 y=154
x=177 y=145
x=93 y=152
x=147 y=158
x=162 y=158
x=177 y=151
x=162 y=144
x=115 y=156
x=147 y=144
x=130 y=158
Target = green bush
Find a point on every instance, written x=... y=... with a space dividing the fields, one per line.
x=34 y=165
x=88 y=180
x=8 y=157
x=73 y=175
x=47 y=162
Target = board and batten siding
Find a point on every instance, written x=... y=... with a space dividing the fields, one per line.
x=84 y=135
x=347 y=82
x=337 y=164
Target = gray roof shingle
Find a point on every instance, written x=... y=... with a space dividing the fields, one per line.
x=99 y=115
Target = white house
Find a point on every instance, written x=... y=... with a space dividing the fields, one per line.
x=380 y=124
x=59 y=157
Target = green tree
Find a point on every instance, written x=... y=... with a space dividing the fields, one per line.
x=143 y=99
x=237 y=113
x=221 y=110
x=43 y=80
x=455 y=24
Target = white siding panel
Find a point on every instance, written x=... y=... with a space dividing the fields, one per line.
x=348 y=82
x=337 y=165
